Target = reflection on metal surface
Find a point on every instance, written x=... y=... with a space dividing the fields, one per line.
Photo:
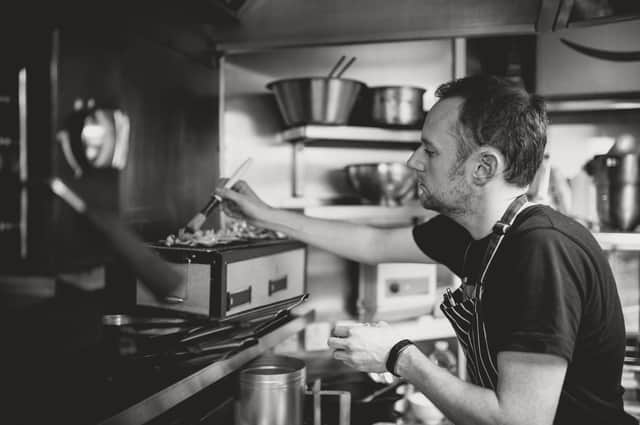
x=22 y=159
x=95 y=138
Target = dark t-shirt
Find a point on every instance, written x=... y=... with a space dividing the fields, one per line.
x=548 y=290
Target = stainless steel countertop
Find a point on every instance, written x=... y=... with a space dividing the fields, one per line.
x=158 y=403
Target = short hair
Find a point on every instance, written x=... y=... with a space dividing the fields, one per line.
x=500 y=113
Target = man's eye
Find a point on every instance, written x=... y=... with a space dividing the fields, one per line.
x=428 y=152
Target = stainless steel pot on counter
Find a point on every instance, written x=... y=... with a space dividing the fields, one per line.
x=271 y=392
x=397 y=105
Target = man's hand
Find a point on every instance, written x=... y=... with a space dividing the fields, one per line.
x=363 y=346
x=241 y=202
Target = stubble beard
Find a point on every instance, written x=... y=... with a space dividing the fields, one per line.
x=459 y=197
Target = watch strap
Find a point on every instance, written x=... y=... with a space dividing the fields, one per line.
x=394 y=353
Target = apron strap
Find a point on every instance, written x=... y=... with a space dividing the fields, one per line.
x=500 y=229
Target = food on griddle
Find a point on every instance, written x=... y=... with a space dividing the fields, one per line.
x=233 y=231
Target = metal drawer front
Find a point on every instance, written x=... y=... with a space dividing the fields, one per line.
x=272 y=278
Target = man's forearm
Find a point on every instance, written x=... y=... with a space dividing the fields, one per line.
x=349 y=240
x=461 y=402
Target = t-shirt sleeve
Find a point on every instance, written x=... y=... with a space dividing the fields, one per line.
x=444 y=241
x=540 y=309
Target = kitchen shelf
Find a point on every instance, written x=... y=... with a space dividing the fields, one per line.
x=342 y=136
x=322 y=135
x=151 y=407
x=619 y=241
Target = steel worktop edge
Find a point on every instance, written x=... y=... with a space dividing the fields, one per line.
x=160 y=402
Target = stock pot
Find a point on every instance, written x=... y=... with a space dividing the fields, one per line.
x=397 y=105
x=617 y=181
x=271 y=391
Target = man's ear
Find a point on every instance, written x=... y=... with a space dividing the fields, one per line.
x=486 y=167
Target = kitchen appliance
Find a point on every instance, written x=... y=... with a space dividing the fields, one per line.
x=397 y=106
x=316 y=100
x=226 y=280
x=384 y=183
x=395 y=291
x=38 y=234
x=271 y=391
x=617 y=181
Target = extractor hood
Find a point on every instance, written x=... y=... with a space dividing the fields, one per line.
x=283 y=23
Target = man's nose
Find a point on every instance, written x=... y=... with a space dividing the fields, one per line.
x=414 y=162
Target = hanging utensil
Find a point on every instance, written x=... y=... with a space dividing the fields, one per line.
x=198 y=220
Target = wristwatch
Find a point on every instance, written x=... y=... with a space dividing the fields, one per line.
x=394 y=353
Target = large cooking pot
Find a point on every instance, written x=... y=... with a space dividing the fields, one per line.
x=397 y=105
x=316 y=100
x=617 y=181
x=271 y=392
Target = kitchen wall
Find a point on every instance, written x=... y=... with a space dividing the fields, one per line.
x=251 y=125
x=576 y=136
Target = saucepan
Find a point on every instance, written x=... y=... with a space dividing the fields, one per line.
x=399 y=106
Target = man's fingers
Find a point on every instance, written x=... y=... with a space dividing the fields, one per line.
x=339 y=343
x=227 y=193
x=341 y=355
x=342 y=331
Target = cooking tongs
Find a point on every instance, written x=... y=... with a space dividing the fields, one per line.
x=198 y=220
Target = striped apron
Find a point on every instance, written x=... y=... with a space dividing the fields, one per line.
x=463 y=308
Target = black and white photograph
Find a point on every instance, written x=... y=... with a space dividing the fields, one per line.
x=321 y=212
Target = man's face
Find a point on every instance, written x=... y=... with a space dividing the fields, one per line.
x=442 y=185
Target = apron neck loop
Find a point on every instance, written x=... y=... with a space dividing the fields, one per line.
x=500 y=229
x=502 y=226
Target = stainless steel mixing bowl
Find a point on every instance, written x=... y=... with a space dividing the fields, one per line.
x=382 y=183
x=316 y=100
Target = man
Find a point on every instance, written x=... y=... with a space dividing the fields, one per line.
x=538 y=314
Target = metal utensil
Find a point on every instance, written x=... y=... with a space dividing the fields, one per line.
x=196 y=222
x=345 y=67
x=336 y=66
x=317 y=414
x=127 y=320
x=382 y=391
